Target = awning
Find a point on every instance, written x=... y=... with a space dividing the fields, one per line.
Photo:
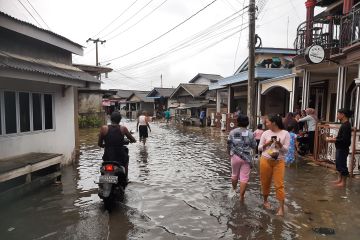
x=192 y=105
x=285 y=82
x=174 y=105
x=106 y=103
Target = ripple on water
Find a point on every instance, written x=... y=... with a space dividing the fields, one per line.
x=180 y=181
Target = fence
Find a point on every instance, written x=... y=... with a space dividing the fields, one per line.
x=325 y=151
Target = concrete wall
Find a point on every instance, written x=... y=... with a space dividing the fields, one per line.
x=90 y=103
x=60 y=140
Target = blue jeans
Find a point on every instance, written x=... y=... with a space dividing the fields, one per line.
x=341 y=161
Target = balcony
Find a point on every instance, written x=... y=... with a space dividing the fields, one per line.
x=322 y=31
x=334 y=33
x=350 y=28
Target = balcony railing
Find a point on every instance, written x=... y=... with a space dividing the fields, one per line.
x=331 y=32
x=323 y=31
x=350 y=28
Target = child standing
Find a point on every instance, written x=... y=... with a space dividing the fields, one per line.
x=257 y=134
x=290 y=156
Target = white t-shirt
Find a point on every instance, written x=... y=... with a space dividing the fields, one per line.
x=142 y=120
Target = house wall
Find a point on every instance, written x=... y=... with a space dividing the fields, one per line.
x=60 y=140
x=148 y=107
x=90 y=102
x=260 y=57
x=25 y=46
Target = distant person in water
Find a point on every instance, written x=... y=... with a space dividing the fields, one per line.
x=142 y=126
x=167 y=115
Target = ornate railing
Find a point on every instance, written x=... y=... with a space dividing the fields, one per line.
x=331 y=32
x=325 y=151
x=323 y=31
x=350 y=27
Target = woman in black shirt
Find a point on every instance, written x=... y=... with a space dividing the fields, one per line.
x=342 y=144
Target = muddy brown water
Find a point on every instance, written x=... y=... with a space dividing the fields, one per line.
x=179 y=190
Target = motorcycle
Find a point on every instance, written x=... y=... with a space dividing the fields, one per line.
x=112 y=181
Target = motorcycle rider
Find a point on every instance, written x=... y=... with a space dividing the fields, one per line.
x=111 y=138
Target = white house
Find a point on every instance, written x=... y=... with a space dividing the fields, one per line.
x=38 y=90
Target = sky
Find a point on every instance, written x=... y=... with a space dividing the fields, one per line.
x=147 y=39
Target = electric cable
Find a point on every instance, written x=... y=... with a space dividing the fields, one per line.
x=162 y=35
x=123 y=23
x=138 y=21
x=30 y=13
x=38 y=14
x=115 y=19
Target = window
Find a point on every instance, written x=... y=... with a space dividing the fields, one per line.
x=24 y=113
x=48 y=107
x=10 y=112
x=37 y=114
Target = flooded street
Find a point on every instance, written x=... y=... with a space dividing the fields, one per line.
x=179 y=190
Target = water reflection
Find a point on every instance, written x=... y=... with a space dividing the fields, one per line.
x=178 y=190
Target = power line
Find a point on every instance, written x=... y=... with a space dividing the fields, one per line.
x=157 y=38
x=138 y=21
x=237 y=47
x=178 y=48
x=212 y=44
x=122 y=24
x=38 y=14
x=30 y=13
x=115 y=19
x=201 y=36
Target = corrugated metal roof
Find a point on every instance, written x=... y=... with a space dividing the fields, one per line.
x=28 y=64
x=276 y=50
x=194 y=89
x=192 y=105
x=33 y=26
x=260 y=73
x=142 y=96
x=211 y=77
x=160 y=92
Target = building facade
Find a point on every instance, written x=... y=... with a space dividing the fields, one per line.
x=38 y=90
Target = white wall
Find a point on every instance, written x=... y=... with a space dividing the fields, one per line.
x=61 y=140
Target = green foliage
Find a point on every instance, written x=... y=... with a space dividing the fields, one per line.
x=90 y=121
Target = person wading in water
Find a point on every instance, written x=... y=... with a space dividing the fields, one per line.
x=142 y=126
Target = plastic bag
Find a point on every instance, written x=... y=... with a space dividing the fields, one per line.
x=273 y=151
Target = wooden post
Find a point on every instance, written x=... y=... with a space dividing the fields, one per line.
x=353 y=148
x=316 y=155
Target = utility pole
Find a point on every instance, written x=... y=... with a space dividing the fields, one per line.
x=251 y=66
x=96 y=41
x=161 y=80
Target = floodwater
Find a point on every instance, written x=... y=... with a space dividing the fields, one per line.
x=179 y=190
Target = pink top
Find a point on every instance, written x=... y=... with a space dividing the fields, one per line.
x=258 y=133
x=284 y=137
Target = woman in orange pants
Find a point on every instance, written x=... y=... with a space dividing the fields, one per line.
x=274 y=144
